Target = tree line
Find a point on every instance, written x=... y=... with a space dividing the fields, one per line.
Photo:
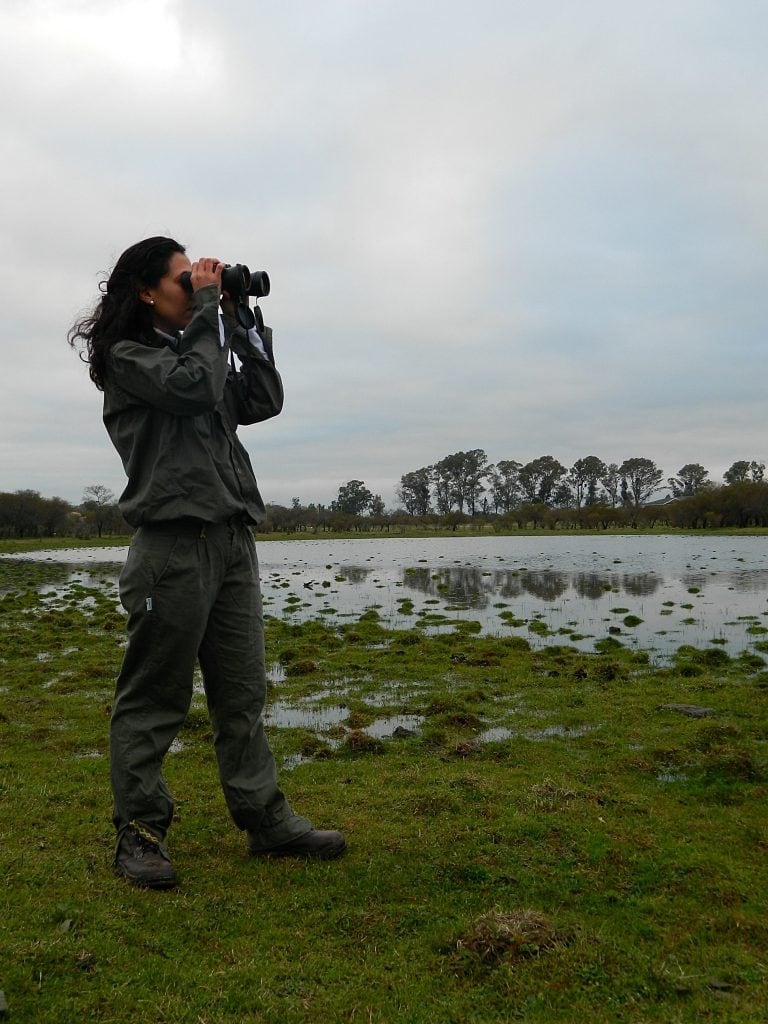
x=27 y=513
x=466 y=488
x=468 y=482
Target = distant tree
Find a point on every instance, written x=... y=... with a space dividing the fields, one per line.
x=697 y=511
x=639 y=479
x=611 y=481
x=57 y=514
x=454 y=520
x=601 y=516
x=738 y=472
x=22 y=513
x=458 y=480
x=442 y=479
x=743 y=504
x=742 y=471
x=473 y=469
x=689 y=480
x=278 y=519
x=584 y=476
x=99 y=494
x=534 y=512
x=562 y=498
x=376 y=506
x=98 y=505
x=505 y=488
x=353 y=499
x=539 y=478
x=414 y=491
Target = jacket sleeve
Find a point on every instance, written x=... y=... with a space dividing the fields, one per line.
x=257 y=386
x=184 y=383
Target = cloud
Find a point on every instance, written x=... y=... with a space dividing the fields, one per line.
x=526 y=229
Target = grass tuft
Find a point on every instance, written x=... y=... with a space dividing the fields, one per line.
x=498 y=937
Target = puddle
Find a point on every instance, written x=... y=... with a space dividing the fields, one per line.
x=315 y=718
x=566 y=732
x=383 y=728
x=320 y=719
x=496 y=734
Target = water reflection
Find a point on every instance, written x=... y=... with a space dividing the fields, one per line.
x=590 y=585
x=509 y=584
x=547 y=586
x=471 y=586
x=641 y=584
x=354 y=574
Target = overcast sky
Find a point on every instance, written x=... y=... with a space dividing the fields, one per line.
x=531 y=228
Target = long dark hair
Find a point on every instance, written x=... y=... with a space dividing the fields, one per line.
x=120 y=313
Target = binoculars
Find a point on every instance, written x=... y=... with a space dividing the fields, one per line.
x=239 y=283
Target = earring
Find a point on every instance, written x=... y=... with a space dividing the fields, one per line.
x=151 y=302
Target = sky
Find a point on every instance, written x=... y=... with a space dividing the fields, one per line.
x=530 y=228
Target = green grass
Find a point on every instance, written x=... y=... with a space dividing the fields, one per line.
x=637 y=834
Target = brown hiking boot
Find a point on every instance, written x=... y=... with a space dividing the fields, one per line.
x=141 y=860
x=317 y=844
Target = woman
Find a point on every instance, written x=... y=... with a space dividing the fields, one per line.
x=159 y=350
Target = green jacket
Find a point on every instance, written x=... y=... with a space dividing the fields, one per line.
x=173 y=415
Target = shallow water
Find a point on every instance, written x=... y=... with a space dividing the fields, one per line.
x=560 y=589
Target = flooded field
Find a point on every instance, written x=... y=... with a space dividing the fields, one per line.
x=649 y=592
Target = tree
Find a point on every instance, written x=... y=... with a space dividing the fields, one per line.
x=473 y=468
x=414 y=491
x=562 y=496
x=353 y=499
x=738 y=472
x=56 y=516
x=742 y=471
x=22 y=513
x=99 y=505
x=639 y=479
x=689 y=480
x=611 y=481
x=539 y=478
x=442 y=478
x=584 y=476
x=504 y=480
x=457 y=480
x=376 y=505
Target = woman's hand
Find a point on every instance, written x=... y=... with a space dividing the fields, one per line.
x=206 y=271
x=227 y=304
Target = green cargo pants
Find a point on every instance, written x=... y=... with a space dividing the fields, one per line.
x=192 y=593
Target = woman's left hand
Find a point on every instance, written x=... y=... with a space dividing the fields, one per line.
x=206 y=271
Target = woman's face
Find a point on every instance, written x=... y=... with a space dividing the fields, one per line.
x=171 y=303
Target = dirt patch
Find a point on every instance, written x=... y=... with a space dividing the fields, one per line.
x=498 y=937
